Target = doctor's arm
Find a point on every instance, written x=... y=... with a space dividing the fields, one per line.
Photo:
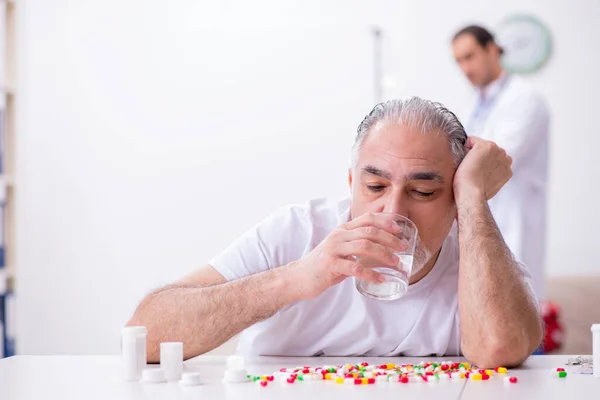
x=500 y=323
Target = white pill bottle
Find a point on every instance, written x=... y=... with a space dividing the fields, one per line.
x=596 y=349
x=133 y=349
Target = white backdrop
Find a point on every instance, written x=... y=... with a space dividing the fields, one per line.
x=152 y=133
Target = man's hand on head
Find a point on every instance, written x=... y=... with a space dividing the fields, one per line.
x=482 y=173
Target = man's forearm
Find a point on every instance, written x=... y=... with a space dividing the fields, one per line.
x=499 y=315
x=205 y=317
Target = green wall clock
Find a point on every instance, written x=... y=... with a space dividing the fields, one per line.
x=526 y=41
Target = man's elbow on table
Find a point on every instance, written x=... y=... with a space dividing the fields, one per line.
x=501 y=352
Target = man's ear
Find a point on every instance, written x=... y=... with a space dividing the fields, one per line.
x=350 y=178
x=493 y=48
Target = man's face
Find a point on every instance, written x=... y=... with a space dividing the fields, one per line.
x=475 y=61
x=405 y=172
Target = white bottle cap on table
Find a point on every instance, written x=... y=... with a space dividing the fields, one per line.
x=235 y=362
x=171 y=360
x=153 y=375
x=235 y=375
x=596 y=349
x=190 y=379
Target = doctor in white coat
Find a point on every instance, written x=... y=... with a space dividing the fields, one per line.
x=509 y=112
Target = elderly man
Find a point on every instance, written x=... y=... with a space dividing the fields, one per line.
x=288 y=283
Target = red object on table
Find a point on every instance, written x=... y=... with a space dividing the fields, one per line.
x=553 y=329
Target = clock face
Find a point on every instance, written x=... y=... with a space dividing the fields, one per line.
x=526 y=42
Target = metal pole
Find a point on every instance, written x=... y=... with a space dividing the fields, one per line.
x=377 y=65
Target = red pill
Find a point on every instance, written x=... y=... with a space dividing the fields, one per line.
x=560 y=370
x=513 y=379
x=364 y=364
x=358 y=381
x=371 y=381
x=305 y=371
x=424 y=378
x=445 y=367
x=429 y=373
x=283 y=370
x=290 y=380
x=485 y=377
x=270 y=378
x=263 y=383
x=467 y=374
x=404 y=379
x=294 y=376
x=348 y=376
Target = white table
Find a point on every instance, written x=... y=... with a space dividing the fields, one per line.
x=99 y=377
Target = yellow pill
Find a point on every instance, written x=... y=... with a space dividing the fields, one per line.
x=467 y=365
x=462 y=375
x=390 y=366
x=328 y=376
x=364 y=381
x=339 y=380
x=355 y=375
x=476 y=377
x=502 y=370
x=490 y=372
x=263 y=378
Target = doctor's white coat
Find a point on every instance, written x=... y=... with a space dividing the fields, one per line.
x=517 y=119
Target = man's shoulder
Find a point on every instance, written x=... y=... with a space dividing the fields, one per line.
x=521 y=98
x=324 y=211
x=523 y=91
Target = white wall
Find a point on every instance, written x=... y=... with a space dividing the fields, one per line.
x=152 y=133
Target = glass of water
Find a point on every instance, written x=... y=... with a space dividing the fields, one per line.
x=396 y=278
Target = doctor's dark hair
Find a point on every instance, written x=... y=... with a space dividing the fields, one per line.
x=481 y=35
x=426 y=116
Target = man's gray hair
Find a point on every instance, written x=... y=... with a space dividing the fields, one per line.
x=426 y=116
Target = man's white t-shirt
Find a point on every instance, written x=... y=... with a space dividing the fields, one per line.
x=341 y=321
